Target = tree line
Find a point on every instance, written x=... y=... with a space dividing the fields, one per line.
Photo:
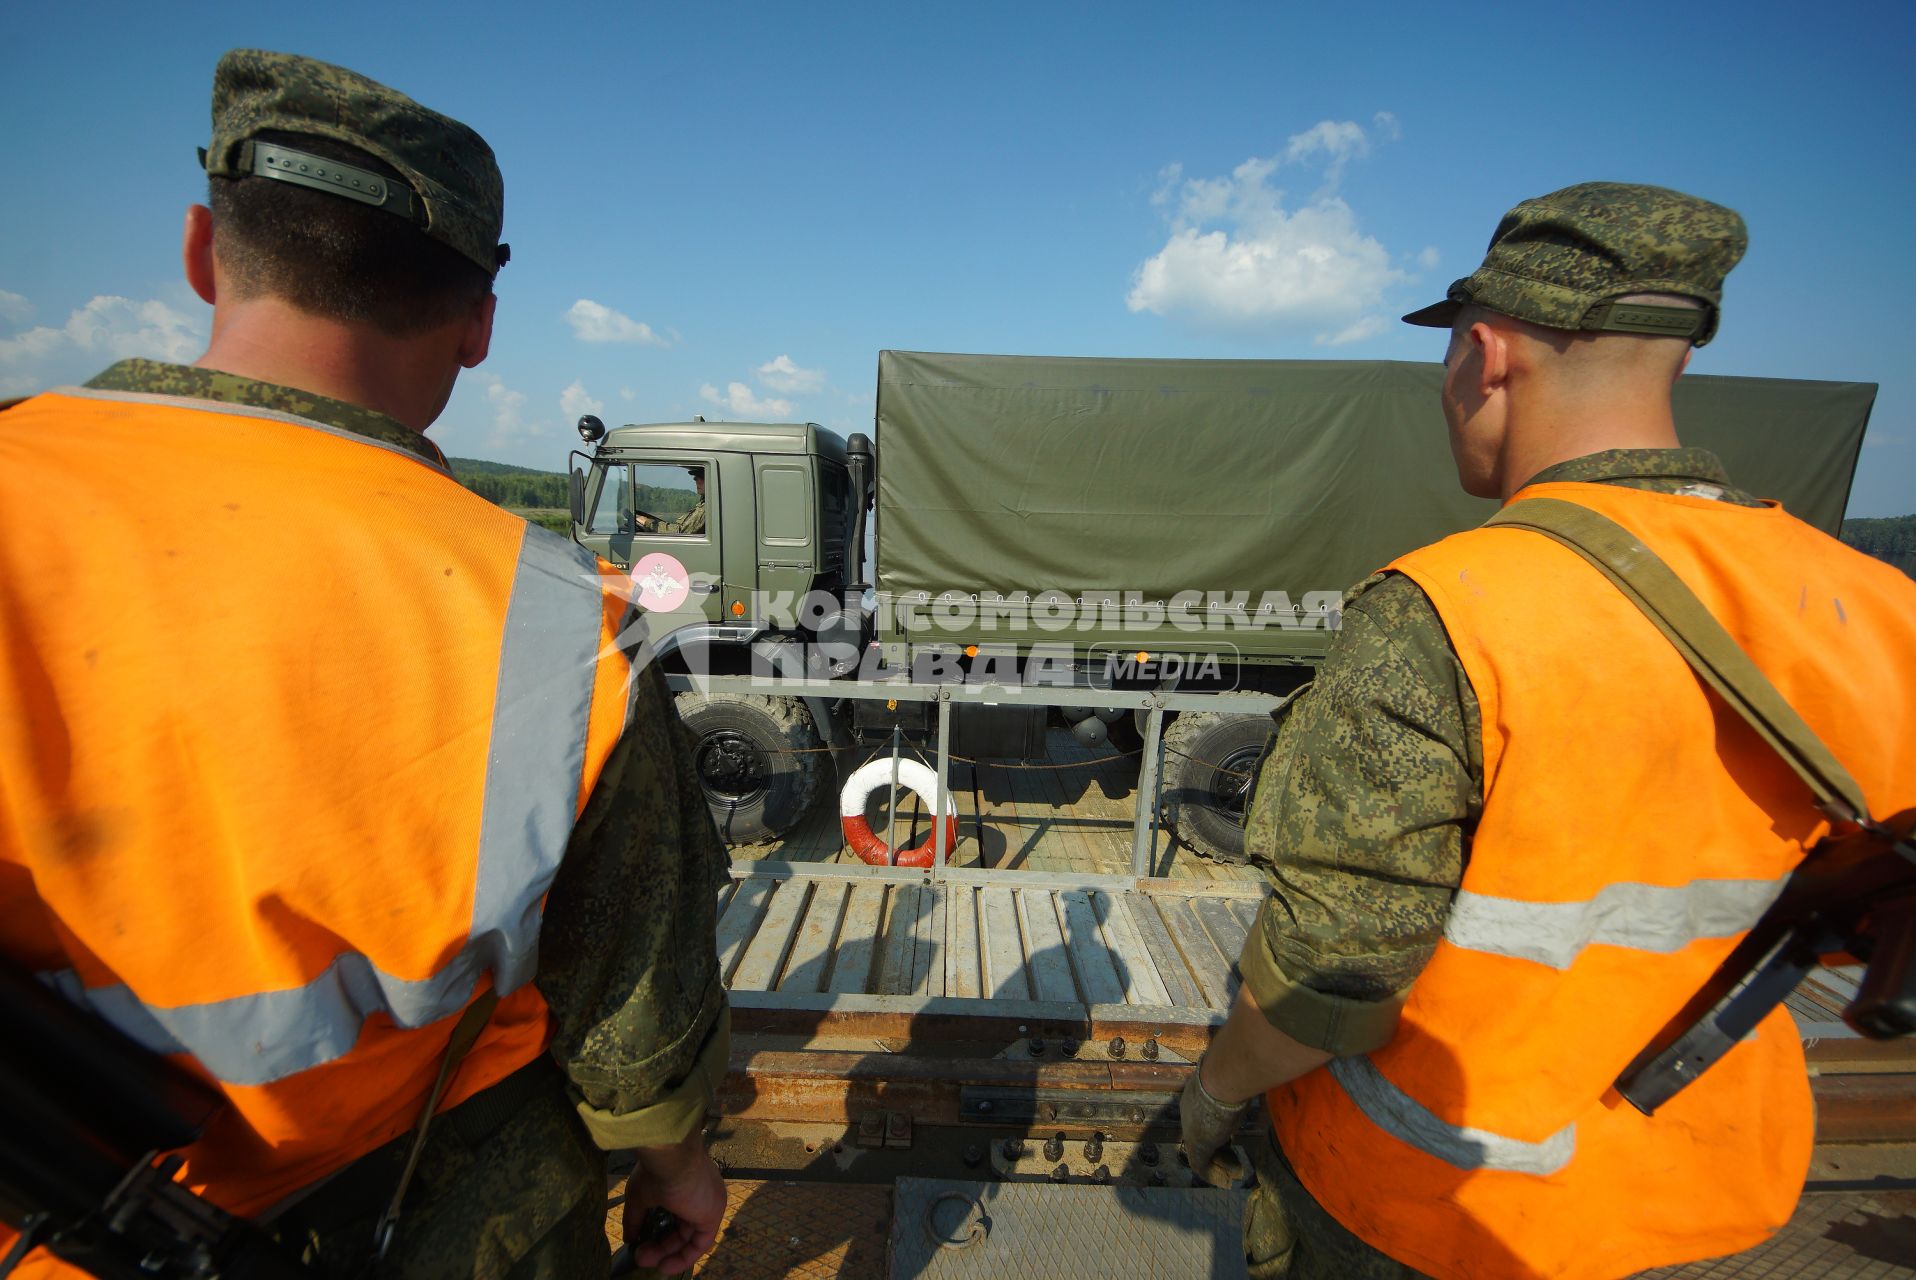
x=1891 y=539
x=523 y=488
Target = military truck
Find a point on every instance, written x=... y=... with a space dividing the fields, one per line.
x=1090 y=524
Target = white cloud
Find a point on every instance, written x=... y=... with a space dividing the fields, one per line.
x=739 y=401
x=1428 y=258
x=595 y=322
x=1387 y=127
x=14 y=309
x=106 y=329
x=510 y=423
x=1363 y=327
x=1237 y=258
x=782 y=375
x=574 y=402
x=1340 y=139
x=627 y=393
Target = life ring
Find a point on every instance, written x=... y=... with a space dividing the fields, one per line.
x=913 y=776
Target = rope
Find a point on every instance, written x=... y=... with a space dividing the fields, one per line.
x=1000 y=764
x=918 y=752
x=1071 y=764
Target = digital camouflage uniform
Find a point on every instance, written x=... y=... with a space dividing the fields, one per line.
x=512 y=1182
x=1365 y=801
x=692 y=522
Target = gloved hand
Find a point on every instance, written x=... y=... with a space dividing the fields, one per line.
x=1207 y=1128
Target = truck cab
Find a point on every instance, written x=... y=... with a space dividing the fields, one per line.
x=738 y=514
x=743 y=542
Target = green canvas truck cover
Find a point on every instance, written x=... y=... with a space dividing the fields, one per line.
x=1007 y=474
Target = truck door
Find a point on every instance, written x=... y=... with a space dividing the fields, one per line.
x=660 y=515
x=788 y=521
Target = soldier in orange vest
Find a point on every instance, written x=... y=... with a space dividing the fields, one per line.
x=1512 y=832
x=337 y=784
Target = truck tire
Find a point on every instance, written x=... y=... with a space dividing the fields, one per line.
x=1210 y=765
x=758 y=760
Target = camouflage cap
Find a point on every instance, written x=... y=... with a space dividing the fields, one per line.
x=1562 y=260
x=453 y=190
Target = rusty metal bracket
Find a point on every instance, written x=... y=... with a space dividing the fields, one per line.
x=1012 y=1105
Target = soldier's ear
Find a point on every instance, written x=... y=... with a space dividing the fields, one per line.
x=1492 y=346
x=196 y=253
x=476 y=342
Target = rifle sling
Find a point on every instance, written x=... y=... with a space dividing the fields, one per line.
x=464 y=1033
x=1710 y=650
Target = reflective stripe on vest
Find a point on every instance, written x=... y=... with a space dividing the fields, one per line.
x=547 y=667
x=1409 y=1121
x=1643 y=917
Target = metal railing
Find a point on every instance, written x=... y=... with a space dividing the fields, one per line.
x=945 y=696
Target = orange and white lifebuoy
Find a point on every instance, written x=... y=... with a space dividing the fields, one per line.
x=913 y=776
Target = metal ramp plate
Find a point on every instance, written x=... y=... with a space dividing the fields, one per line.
x=943 y=1229
x=1861 y=1235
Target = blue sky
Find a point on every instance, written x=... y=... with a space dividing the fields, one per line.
x=730 y=209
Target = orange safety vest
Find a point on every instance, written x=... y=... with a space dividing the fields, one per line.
x=1633 y=828
x=297 y=732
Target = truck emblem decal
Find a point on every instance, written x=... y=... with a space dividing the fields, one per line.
x=660 y=583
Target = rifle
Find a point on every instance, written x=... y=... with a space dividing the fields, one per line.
x=1854 y=892
x=87 y=1117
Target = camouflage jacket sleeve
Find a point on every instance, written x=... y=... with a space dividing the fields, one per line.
x=627 y=949
x=1361 y=810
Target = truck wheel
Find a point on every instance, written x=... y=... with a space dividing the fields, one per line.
x=757 y=759
x=1210 y=765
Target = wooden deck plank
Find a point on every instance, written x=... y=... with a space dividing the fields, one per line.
x=964 y=850
x=963 y=950
x=1211 y=969
x=1118 y=813
x=811 y=954
x=1136 y=971
x=765 y=954
x=1003 y=949
x=1106 y=820
x=971 y=815
x=740 y=918
x=1090 y=957
x=899 y=948
x=1035 y=846
x=928 y=934
x=1077 y=847
x=1045 y=955
x=997 y=818
x=1179 y=986
x=1226 y=930
x=858 y=938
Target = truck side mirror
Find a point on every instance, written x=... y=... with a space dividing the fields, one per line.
x=577 y=493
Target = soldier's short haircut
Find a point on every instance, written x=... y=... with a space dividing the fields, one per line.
x=337 y=258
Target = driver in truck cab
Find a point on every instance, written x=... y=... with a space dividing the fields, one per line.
x=1512 y=832
x=692 y=523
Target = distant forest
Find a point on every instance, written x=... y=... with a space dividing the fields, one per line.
x=1892 y=539
x=511 y=486
x=524 y=489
